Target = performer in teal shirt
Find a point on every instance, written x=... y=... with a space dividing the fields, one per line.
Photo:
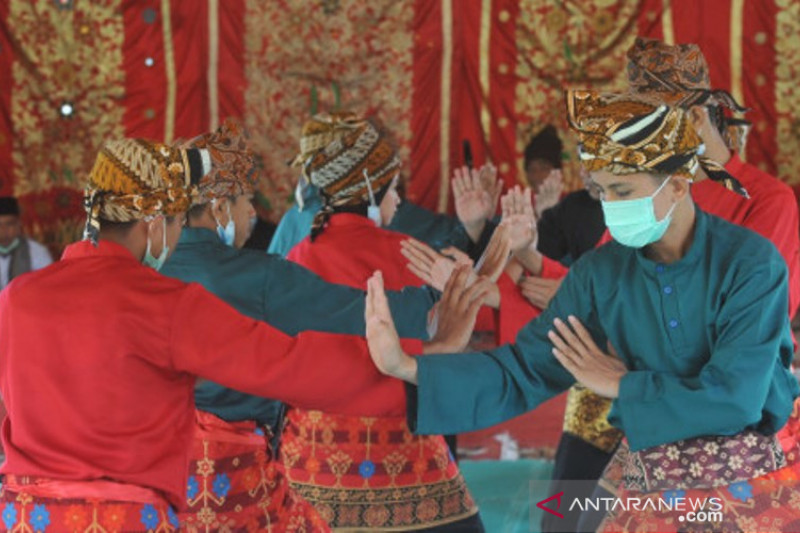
x=269 y=288
x=681 y=321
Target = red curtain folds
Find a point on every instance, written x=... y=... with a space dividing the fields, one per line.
x=437 y=71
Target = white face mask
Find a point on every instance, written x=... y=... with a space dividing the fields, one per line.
x=227 y=234
x=157 y=262
x=373 y=210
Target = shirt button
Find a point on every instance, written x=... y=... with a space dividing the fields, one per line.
x=667 y=290
x=673 y=323
x=659 y=268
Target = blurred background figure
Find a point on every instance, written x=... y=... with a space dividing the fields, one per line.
x=18 y=253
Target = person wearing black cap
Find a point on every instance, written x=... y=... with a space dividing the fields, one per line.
x=18 y=253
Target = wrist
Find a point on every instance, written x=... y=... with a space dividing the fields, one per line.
x=531 y=258
x=493 y=297
x=408 y=370
x=474 y=229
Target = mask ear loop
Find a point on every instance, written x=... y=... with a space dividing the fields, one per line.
x=373 y=211
x=163 y=234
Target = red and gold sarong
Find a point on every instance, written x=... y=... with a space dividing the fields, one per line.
x=234 y=485
x=372 y=473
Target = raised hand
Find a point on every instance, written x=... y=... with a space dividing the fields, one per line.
x=518 y=216
x=474 y=203
x=488 y=178
x=382 y=340
x=549 y=192
x=457 y=311
x=495 y=257
x=429 y=265
x=577 y=351
x=539 y=291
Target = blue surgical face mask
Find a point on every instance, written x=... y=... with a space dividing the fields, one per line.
x=633 y=222
x=227 y=234
x=157 y=262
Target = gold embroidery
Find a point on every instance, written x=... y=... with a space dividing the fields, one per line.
x=787 y=97
x=586 y=417
x=296 y=55
x=582 y=45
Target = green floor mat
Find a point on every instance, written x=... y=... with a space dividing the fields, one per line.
x=503 y=492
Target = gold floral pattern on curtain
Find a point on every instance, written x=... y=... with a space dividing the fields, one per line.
x=318 y=56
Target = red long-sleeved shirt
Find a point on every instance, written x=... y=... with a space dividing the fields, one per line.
x=771 y=212
x=98 y=358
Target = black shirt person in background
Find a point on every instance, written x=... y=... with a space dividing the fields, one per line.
x=573 y=226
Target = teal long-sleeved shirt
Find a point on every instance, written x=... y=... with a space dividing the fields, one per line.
x=284 y=294
x=706 y=341
x=432 y=228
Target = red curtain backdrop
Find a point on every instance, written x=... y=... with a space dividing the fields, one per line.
x=437 y=72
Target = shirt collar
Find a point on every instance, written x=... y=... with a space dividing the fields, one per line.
x=693 y=254
x=349 y=219
x=104 y=248
x=199 y=236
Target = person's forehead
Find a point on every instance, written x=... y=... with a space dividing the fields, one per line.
x=608 y=179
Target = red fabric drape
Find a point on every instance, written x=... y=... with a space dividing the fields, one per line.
x=509 y=61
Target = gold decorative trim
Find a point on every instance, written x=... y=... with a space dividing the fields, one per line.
x=736 y=45
x=485 y=39
x=169 y=66
x=666 y=23
x=444 y=123
x=213 y=64
x=787 y=98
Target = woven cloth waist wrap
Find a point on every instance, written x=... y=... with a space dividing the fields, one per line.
x=234 y=485
x=700 y=462
x=586 y=417
x=364 y=472
x=100 y=489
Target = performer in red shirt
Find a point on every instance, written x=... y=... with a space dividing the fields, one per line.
x=368 y=472
x=99 y=355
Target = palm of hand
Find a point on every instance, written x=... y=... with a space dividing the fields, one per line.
x=473 y=206
x=441 y=271
x=521 y=230
x=382 y=339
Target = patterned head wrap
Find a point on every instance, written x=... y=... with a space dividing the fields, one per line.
x=678 y=76
x=135 y=178
x=317 y=133
x=339 y=169
x=625 y=135
x=235 y=169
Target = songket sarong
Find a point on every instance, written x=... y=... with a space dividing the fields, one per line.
x=740 y=483
x=234 y=485
x=29 y=504
x=372 y=473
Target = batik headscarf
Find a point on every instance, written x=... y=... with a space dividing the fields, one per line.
x=235 y=168
x=678 y=76
x=317 y=133
x=625 y=135
x=343 y=167
x=135 y=178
